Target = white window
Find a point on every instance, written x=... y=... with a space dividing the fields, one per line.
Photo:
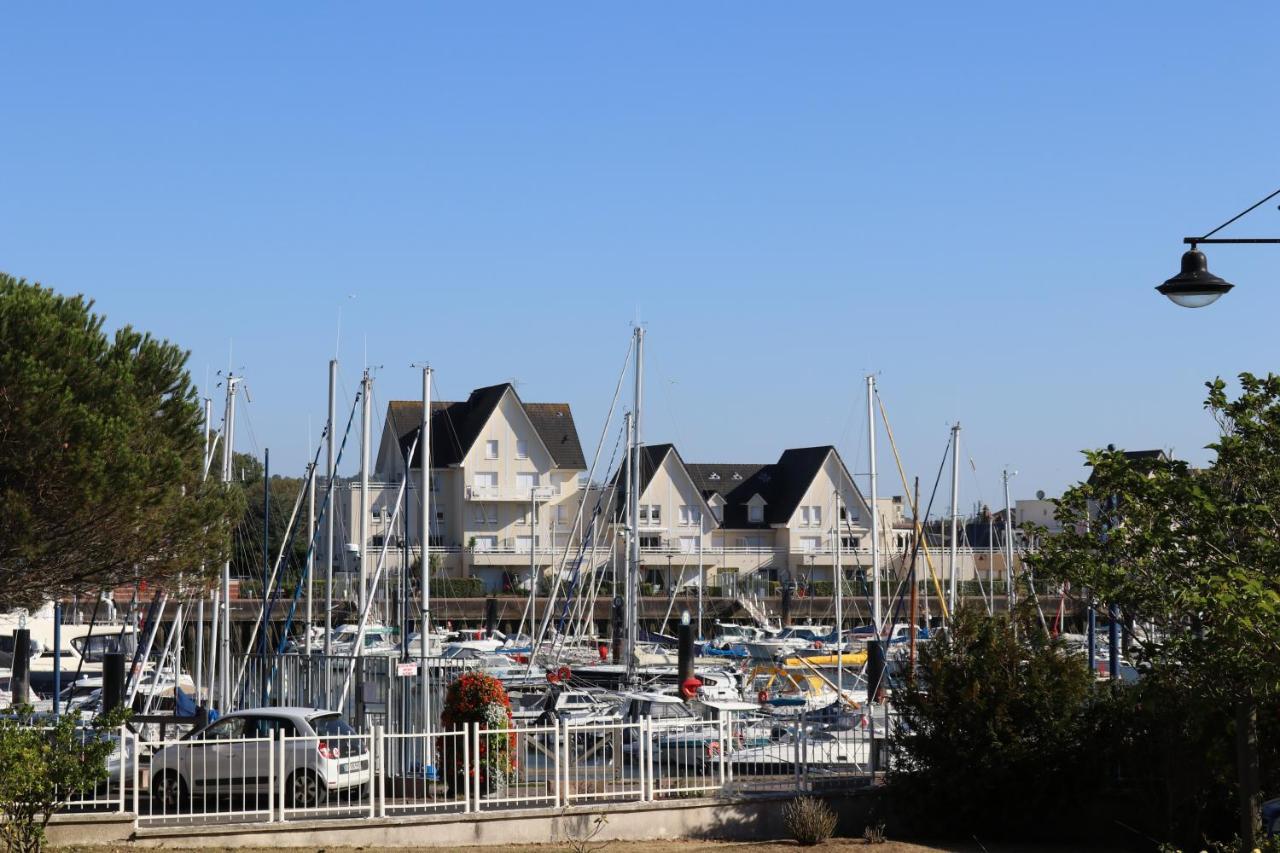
x=486 y=479
x=690 y=515
x=477 y=514
x=493 y=514
x=644 y=513
x=804 y=516
x=688 y=544
x=816 y=512
x=522 y=517
x=562 y=515
x=526 y=482
x=491 y=449
x=655 y=514
x=524 y=544
x=486 y=543
x=810 y=543
x=522 y=448
x=755 y=514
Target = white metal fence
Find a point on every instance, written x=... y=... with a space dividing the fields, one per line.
x=199 y=781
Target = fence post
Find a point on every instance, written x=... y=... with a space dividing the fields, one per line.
x=124 y=760
x=283 y=789
x=380 y=767
x=555 y=764
x=273 y=770
x=724 y=748
x=646 y=753
x=796 y=751
x=474 y=770
x=466 y=762
x=137 y=749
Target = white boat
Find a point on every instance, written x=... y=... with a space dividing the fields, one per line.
x=825 y=748
x=375 y=640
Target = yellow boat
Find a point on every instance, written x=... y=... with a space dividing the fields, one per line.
x=846 y=659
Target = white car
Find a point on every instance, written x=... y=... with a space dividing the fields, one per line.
x=322 y=755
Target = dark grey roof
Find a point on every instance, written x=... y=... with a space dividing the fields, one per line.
x=455 y=426
x=781 y=484
x=736 y=484
x=1146 y=456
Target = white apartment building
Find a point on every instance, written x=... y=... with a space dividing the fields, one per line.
x=506 y=481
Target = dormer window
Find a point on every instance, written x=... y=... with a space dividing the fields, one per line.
x=755 y=514
x=491 y=449
x=714 y=476
x=522 y=448
x=737 y=476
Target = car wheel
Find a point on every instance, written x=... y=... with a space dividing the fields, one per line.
x=169 y=792
x=305 y=789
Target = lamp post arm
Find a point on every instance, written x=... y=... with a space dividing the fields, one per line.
x=1193 y=241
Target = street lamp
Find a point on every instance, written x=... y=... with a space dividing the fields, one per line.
x=1194 y=286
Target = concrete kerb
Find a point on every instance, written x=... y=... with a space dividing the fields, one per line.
x=757 y=817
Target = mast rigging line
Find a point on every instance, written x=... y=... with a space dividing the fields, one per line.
x=377 y=576
x=915 y=510
x=606 y=499
x=277 y=580
x=324 y=508
x=915 y=550
x=582 y=505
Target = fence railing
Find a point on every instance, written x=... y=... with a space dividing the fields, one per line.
x=198 y=781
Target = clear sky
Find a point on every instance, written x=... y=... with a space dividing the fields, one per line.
x=973 y=200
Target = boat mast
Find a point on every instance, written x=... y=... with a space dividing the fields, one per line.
x=224 y=649
x=875 y=509
x=839 y=578
x=311 y=551
x=208 y=436
x=633 y=564
x=955 y=514
x=366 y=420
x=328 y=521
x=1008 y=543
x=424 y=575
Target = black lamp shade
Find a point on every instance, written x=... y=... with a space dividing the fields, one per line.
x=1194 y=286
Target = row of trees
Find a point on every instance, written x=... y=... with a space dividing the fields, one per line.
x=1003 y=732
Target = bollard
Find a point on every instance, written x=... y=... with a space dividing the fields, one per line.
x=490 y=616
x=112 y=680
x=20 y=671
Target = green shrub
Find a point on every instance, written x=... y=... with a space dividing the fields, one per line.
x=447 y=587
x=44 y=764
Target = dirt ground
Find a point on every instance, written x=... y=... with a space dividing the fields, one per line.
x=842 y=845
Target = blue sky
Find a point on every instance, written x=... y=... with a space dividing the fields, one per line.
x=973 y=200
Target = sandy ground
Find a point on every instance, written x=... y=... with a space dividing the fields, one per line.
x=843 y=845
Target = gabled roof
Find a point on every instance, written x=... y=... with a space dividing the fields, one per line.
x=1147 y=456
x=456 y=426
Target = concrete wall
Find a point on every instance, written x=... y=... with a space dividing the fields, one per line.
x=757 y=818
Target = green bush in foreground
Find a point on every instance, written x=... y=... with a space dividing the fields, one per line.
x=43 y=764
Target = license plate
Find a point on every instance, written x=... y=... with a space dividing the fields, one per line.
x=354 y=767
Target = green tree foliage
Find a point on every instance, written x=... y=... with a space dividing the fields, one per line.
x=46 y=763
x=991 y=728
x=1191 y=558
x=246 y=559
x=101 y=448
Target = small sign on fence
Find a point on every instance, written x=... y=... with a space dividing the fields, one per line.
x=405 y=670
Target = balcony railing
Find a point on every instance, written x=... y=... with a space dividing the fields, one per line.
x=477 y=492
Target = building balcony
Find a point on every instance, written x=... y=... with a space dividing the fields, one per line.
x=510 y=493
